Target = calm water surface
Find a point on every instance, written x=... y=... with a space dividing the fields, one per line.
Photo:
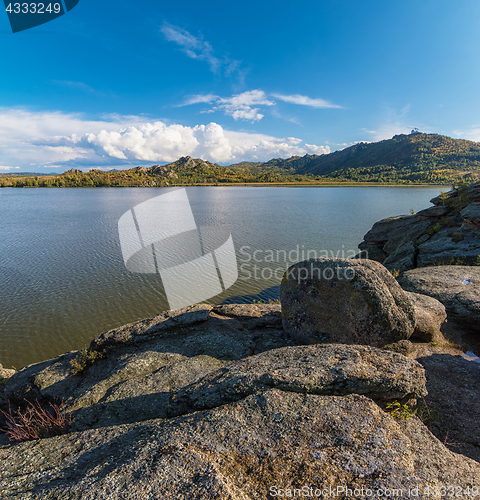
x=62 y=276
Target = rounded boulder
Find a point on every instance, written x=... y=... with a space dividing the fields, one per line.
x=346 y=301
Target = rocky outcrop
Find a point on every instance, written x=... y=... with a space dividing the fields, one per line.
x=264 y=443
x=344 y=301
x=259 y=416
x=447 y=233
x=456 y=287
x=331 y=369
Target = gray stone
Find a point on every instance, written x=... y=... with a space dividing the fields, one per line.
x=371 y=252
x=405 y=235
x=5 y=373
x=456 y=287
x=143 y=330
x=472 y=194
x=471 y=213
x=385 y=229
x=433 y=212
x=142 y=368
x=123 y=444
x=450 y=246
x=239 y=451
x=346 y=301
x=331 y=369
x=430 y=314
x=402 y=258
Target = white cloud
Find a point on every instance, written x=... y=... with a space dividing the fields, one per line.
x=197 y=99
x=312 y=149
x=60 y=140
x=387 y=131
x=246 y=106
x=78 y=85
x=7 y=168
x=305 y=101
x=472 y=134
x=196 y=47
x=240 y=106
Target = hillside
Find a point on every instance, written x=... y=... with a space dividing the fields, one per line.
x=405 y=159
x=416 y=157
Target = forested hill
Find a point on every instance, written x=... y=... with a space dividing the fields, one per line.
x=416 y=157
x=404 y=159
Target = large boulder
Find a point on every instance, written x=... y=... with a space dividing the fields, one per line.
x=456 y=287
x=347 y=301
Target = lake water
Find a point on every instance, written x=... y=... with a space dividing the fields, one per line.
x=62 y=276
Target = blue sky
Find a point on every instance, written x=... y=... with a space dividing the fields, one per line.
x=116 y=84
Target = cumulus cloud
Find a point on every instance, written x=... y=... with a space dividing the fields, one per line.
x=158 y=142
x=55 y=140
x=6 y=169
x=303 y=100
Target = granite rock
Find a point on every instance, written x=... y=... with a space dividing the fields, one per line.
x=347 y=301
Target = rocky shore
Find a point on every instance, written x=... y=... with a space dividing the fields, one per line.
x=354 y=381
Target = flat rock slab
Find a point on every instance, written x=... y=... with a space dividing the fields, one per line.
x=249 y=449
x=144 y=362
x=346 y=301
x=332 y=369
x=456 y=287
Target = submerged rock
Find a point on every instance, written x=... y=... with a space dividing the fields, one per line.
x=344 y=301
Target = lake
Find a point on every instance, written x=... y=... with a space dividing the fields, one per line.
x=62 y=275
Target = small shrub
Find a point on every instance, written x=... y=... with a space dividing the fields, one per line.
x=84 y=359
x=452 y=262
x=397 y=410
x=36 y=422
x=427 y=414
x=412 y=211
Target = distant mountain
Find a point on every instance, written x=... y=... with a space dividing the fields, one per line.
x=416 y=157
